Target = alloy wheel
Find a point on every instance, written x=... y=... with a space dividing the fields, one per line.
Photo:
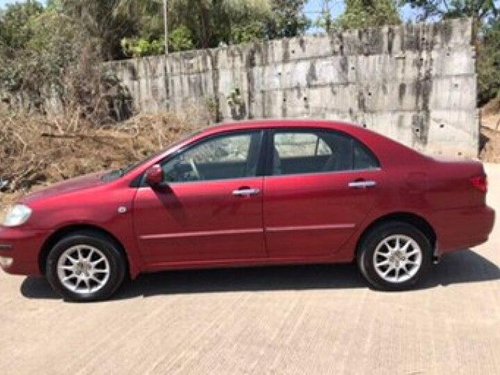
x=83 y=269
x=397 y=258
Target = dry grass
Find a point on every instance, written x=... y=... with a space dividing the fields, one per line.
x=490 y=132
x=37 y=151
x=490 y=152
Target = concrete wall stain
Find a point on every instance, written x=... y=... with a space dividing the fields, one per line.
x=401 y=92
x=286 y=50
x=302 y=44
x=250 y=64
x=132 y=71
x=361 y=101
x=311 y=74
x=390 y=40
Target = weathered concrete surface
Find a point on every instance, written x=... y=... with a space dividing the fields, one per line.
x=291 y=320
x=415 y=83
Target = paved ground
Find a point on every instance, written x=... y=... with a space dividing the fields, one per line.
x=315 y=320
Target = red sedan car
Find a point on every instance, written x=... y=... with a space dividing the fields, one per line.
x=252 y=194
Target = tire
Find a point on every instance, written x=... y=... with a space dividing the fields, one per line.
x=387 y=266
x=85 y=266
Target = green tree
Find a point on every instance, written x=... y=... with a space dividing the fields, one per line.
x=147 y=14
x=288 y=19
x=192 y=23
x=16 y=28
x=103 y=23
x=120 y=28
x=47 y=58
x=369 y=13
x=210 y=23
x=479 y=10
x=20 y=66
x=325 y=21
x=488 y=63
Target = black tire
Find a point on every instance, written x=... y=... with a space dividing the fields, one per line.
x=108 y=248
x=374 y=238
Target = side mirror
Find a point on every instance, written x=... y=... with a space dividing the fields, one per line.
x=154 y=176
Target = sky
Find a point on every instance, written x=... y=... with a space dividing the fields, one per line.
x=3 y=2
x=314 y=7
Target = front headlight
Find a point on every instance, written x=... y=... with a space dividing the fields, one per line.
x=16 y=215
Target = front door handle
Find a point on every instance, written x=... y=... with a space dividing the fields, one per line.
x=245 y=192
x=362 y=184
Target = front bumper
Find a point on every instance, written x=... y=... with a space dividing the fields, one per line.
x=20 y=249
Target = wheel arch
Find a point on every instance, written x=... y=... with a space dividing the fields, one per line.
x=55 y=237
x=405 y=217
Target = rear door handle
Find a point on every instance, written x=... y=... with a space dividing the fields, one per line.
x=362 y=184
x=245 y=192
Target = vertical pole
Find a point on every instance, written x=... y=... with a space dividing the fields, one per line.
x=326 y=14
x=165 y=21
x=165 y=75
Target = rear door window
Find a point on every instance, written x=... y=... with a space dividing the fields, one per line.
x=318 y=151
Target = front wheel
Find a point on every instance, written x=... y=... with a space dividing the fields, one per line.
x=85 y=266
x=394 y=256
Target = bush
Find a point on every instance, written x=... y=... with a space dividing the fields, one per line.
x=57 y=69
x=488 y=64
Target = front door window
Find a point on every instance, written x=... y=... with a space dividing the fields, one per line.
x=225 y=157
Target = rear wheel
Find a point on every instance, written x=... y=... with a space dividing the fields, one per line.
x=394 y=256
x=85 y=266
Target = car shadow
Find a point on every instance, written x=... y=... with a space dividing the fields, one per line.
x=460 y=267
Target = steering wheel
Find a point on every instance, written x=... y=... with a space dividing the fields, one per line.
x=196 y=172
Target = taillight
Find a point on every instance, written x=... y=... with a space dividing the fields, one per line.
x=480 y=183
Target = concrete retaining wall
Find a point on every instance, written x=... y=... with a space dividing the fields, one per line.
x=414 y=83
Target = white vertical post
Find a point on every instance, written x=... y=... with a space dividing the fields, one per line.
x=165 y=21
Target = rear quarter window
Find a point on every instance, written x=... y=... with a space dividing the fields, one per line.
x=363 y=157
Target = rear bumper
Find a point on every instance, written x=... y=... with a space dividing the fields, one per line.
x=19 y=250
x=463 y=228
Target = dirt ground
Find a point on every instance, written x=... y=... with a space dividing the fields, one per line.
x=290 y=320
x=490 y=133
x=490 y=140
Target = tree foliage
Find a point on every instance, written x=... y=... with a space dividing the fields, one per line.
x=479 y=10
x=488 y=63
x=47 y=58
x=103 y=22
x=325 y=20
x=211 y=23
x=288 y=19
x=369 y=13
x=35 y=46
x=135 y=27
x=214 y=22
x=16 y=28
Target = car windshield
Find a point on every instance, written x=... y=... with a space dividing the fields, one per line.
x=118 y=173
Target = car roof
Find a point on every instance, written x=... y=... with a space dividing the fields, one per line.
x=387 y=150
x=284 y=123
x=355 y=130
